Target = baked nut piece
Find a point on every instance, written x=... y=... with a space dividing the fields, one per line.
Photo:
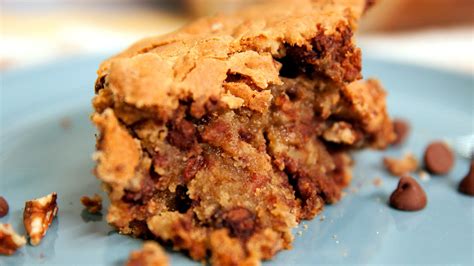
x=92 y=204
x=150 y=255
x=38 y=216
x=400 y=167
x=10 y=241
x=219 y=138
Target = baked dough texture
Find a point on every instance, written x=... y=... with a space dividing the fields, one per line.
x=220 y=137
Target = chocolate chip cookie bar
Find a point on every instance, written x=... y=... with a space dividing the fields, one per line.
x=220 y=137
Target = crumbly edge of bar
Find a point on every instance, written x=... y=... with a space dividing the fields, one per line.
x=151 y=254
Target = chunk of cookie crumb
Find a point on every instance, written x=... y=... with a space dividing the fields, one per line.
x=424 y=176
x=377 y=181
x=151 y=254
x=38 y=216
x=10 y=241
x=92 y=204
x=402 y=130
x=399 y=167
x=65 y=123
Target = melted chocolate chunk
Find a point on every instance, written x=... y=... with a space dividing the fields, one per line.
x=182 y=134
x=240 y=221
x=183 y=202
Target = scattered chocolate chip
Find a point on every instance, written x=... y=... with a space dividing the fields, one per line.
x=466 y=185
x=240 y=221
x=402 y=129
x=409 y=195
x=3 y=207
x=438 y=158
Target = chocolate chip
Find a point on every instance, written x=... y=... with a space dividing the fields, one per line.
x=193 y=165
x=240 y=221
x=143 y=195
x=438 y=158
x=466 y=185
x=99 y=84
x=369 y=4
x=182 y=134
x=3 y=207
x=183 y=202
x=409 y=195
x=245 y=135
x=402 y=129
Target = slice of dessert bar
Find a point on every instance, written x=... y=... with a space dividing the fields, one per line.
x=219 y=138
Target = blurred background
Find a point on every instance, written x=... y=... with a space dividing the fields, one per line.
x=437 y=33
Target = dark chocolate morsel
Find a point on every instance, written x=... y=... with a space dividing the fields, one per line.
x=466 y=185
x=409 y=195
x=3 y=207
x=402 y=129
x=438 y=158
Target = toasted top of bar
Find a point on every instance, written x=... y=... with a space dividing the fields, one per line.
x=215 y=56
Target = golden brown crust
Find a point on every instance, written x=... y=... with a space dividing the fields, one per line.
x=196 y=61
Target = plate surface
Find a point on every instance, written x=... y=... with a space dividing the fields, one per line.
x=47 y=141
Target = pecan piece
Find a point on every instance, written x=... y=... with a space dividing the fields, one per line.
x=10 y=241
x=193 y=165
x=92 y=204
x=399 y=167
x=240 y=221
x=38 y=216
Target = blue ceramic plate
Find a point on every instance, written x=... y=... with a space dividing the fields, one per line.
x=47 y=142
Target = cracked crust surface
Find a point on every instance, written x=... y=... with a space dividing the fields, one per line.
x=196 y=61
x=219 y=138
